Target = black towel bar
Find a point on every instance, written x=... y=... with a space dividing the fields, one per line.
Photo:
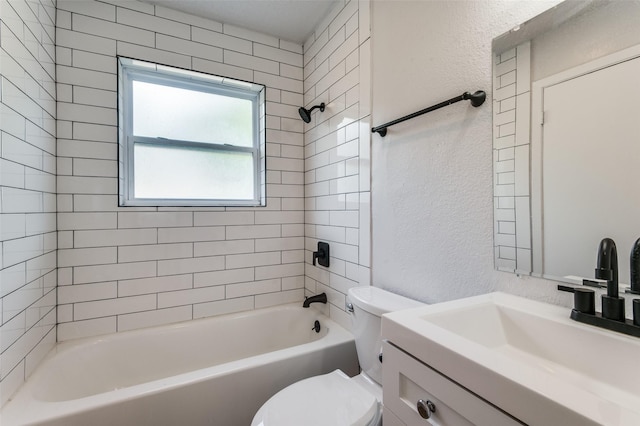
x=476 y=99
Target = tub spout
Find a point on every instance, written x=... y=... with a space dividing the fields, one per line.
x=318 y=298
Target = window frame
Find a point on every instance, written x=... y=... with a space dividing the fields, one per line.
x=130 y=70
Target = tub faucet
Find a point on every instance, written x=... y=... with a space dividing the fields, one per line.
x=318 y=298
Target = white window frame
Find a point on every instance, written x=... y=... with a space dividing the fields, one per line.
x=130 y=70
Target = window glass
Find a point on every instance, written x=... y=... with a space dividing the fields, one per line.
x=161 y=111
x=168 y=172
x=188 y=138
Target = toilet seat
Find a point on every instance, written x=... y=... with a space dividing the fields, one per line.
x=330 y=399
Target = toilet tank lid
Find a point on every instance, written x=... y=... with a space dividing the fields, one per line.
x=377 y=301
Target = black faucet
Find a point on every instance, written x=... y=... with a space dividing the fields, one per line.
x=612 y=316
x=634 y=260
x=607 y=269
x=322 y=255
x=318 y=298
x=607 y=266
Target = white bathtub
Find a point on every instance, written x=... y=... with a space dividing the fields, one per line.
x=216 y=371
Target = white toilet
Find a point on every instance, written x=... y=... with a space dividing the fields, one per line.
x=335 y=399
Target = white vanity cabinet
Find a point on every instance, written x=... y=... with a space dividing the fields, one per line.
x=408 y=383
x=499 y=359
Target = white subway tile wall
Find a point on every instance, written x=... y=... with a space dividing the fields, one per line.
x=127 y=268
x=27 y=187
x=511 y=129
x=337 y=153
x=70 y=256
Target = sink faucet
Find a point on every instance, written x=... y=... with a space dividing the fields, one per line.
x=635 y=268
x=318 y=298
x=612 y=316
x=607 y=266
x=607 y=269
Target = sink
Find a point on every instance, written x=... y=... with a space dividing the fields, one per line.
x=527 y=358
x=546 y=342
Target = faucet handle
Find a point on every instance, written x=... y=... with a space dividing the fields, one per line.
x=584 y=299
x=322 y=255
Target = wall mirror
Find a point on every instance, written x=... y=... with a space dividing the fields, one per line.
x=566 y=139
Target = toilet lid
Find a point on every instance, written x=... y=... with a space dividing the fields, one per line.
x=330 y=399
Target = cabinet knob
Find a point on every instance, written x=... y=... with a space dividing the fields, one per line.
x=425 y=408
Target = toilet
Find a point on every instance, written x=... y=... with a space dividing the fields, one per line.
x=336 y=399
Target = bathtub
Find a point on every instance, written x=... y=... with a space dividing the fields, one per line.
x=215 y=371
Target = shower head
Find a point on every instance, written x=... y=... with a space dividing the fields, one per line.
x=305 y=114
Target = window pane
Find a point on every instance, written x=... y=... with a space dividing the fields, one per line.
x=188 y=173
x=191 y=115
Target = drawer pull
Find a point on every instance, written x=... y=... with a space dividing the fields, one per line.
x=425 y=408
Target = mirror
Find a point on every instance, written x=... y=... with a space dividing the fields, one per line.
x=566 y=143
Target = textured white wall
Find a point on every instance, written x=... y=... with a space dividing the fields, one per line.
x=608 y=29
x=432 y=199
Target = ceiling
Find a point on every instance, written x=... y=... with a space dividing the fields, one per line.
x=291 y=20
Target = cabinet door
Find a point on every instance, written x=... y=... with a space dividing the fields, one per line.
x=390 y=419
x=405 y=381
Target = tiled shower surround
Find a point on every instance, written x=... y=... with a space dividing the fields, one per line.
x=28 y=186
x=337 y=153
x=121 y=268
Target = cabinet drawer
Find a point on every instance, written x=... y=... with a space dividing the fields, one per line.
x=406 y=380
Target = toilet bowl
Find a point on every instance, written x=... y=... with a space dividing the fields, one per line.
x=329 y=399
x=336 y=399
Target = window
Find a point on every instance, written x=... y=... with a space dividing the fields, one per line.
x=188 y=138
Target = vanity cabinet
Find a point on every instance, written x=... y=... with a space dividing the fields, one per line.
x=406 y=381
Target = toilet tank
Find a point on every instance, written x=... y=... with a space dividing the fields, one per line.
x=369 y=303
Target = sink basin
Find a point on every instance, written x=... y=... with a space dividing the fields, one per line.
x=527 y=358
